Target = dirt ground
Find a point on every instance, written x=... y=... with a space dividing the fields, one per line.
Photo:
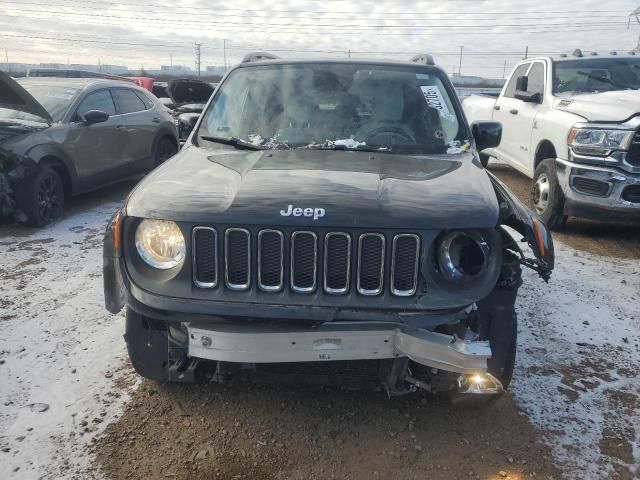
x=297 y=432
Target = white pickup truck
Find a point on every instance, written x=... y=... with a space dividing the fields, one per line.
x=572 y=125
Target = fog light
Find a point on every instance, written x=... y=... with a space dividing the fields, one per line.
x=479 y=383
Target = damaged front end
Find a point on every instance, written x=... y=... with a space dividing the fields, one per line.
x=13 y=169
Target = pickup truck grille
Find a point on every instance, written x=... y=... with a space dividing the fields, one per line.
x=306 y=262
x=633 y=155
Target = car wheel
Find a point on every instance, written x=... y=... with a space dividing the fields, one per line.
x=148 y=346
x=484 y=159
x=546 y=195
x=165 y=149
x=41 y=197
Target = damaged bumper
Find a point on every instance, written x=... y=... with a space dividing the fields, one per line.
x=336 y=341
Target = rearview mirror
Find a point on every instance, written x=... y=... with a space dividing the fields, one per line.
x=95 y=116
x=486 y=134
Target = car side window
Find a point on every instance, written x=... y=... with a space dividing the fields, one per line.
x=510 y=91
x=99 y=100
x=146 y=100
x=127 y=101
x=535 y=83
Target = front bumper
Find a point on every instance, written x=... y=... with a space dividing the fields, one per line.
x=336 y=341
x=580 y=184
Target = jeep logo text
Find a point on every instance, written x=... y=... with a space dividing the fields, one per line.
x=316 y=213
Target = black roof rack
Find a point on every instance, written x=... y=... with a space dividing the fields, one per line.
x=424 y=58
x=258 y=56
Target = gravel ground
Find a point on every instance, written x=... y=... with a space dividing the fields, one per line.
x=573 y=410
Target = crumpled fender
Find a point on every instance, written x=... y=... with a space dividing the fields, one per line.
x=115 y=292
x=514 y=214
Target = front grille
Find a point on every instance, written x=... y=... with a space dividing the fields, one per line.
x=304 y=261
x=404 y=270
x=633 y=155
x=237 y=253
x=205 y=257
x=298 y=260
x=589 y=186
x=371 y=263
x=631 y=194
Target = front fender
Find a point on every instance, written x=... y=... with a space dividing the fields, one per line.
x=115 y=292
x=514 y=214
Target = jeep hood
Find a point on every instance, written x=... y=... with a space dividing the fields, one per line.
x=189 y=91
x=355 y=189
x=14 y=97
x=616 y=106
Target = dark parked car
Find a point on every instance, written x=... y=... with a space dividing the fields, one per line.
x=65 y=136
x=328 y=214
x=186 y=98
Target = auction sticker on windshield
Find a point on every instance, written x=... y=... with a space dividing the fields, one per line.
x=434 y=99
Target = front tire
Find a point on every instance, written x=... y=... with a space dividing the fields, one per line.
x=546 y=195
x=41 y=197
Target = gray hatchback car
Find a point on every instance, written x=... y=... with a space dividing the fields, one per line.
x=65 y=136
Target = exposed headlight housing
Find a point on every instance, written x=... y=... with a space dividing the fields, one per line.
x=160 y=243
x=462 y=255
x=598 y=141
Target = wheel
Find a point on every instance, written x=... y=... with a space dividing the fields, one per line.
x=148 y=346
x=165 y=149
x=484 y=159
x=546 y=194
x=41 y=197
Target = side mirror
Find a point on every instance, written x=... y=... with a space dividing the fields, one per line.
x=486 y=134
x=95 y=116
x=522 y=84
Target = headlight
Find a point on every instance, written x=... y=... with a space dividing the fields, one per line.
x=462 y=255
x=160 y=243
x=599 y=142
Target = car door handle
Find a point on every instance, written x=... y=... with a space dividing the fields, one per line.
x=496 y=107
x=513 y=111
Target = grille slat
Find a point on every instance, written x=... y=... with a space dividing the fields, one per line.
x=205 y=257
x=237 y=249
x=371 y=249
x=270 y=260
x=304 y=261
x=404 y=269
x=337 y=262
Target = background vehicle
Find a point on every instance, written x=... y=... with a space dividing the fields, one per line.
x=64 y=136
x=185 y=98
x=325 y=212
x=571 y=124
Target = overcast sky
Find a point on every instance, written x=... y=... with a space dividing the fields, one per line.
x=150 y=33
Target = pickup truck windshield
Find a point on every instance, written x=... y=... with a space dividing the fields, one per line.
x=398 y=109
x=596 y=75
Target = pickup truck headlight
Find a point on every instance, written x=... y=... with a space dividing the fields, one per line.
x=160 y=243
x=598 y=141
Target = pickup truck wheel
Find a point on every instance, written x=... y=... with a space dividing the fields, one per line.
x=41 y=197
x=148 y=346
x=546 y=194
x=484 y=159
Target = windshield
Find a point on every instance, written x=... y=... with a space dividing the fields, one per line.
x=55 y=100
x=596 y=75
x=399 y=109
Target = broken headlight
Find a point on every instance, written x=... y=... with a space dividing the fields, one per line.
x=598 y=141
x=160 y=243
x=462 y=255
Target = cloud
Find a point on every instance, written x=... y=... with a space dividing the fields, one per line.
x=151 y=33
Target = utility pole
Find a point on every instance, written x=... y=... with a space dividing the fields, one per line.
x=460 y=64
x=197 y=46
x=504 y=70
x=171 y=60
x=636 y=14
x=349 y=53
x=526 y=52
x=6 y=55
x=224 y=53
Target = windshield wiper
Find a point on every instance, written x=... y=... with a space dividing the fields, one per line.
x=604 y=80
x=379 y=149
x=233 y=141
